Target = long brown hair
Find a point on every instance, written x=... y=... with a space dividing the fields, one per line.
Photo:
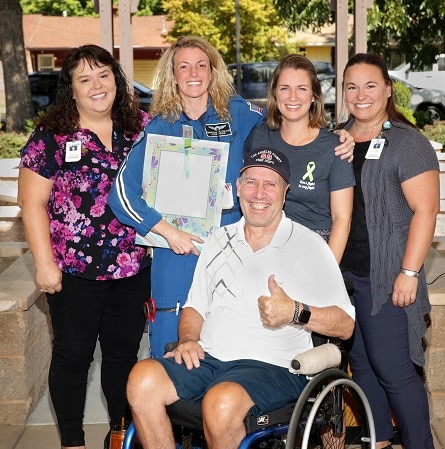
x=379 y=62
x=317 y=114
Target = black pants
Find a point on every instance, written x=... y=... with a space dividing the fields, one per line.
x=81 y=313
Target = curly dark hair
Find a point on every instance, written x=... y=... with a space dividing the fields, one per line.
x=62 y=117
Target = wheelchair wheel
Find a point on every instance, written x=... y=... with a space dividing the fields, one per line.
x=331 y=413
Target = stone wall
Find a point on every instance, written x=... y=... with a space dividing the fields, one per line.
x=435 y=337
x=435 y=366
x=25 y=342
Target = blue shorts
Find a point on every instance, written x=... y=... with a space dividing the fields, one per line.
x=269 y=386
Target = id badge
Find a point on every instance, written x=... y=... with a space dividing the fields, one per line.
x=227 y=197
x=73 y=151
x=375 y=149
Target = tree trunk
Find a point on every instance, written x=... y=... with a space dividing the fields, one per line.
x=17 y=88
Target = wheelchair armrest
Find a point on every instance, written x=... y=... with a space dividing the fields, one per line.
x=168 y=347
x=317 y=359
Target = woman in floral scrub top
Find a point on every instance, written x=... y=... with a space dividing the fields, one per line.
x=87 y=263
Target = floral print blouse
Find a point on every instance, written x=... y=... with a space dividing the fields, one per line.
x=87 y=239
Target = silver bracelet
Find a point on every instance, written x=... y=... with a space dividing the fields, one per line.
x=296 y=313
x=412 y=273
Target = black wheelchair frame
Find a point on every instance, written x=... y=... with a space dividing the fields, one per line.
x=332 y=412
x=317 y=420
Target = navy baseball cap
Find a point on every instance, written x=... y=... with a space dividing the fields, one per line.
x=269 y=158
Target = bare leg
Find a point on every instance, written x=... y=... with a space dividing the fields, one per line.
x=149 y=391
x=224 y=408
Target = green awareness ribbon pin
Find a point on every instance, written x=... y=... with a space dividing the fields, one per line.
x=310 y=168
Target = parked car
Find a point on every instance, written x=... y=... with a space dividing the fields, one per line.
x=43 y=88
x=255 y=78
x=144 y=93
x=431 y=101
x=429 y=77
x=426 y=100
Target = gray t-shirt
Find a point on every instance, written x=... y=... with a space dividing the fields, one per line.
x=315 y=173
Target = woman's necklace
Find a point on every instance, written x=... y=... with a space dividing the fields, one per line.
x=369 y=133
x=378 y=142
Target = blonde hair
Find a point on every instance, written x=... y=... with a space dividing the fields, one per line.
x=166 y=100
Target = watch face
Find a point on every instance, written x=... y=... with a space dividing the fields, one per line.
x=304 y=316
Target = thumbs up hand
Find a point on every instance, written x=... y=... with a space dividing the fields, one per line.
x=278 y=308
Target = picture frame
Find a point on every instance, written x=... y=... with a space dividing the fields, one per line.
x=184 y=180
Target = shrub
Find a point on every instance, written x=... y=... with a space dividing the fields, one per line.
x=435 y=132
x=408 y=113
x=422 y=118
x=402 y=98
x=11 y=143
x=402 y=94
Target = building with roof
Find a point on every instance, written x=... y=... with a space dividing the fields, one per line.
x=47 y=40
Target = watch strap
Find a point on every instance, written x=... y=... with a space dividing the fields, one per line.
x=304 y=315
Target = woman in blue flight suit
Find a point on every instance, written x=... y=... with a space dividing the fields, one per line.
x=193 y=88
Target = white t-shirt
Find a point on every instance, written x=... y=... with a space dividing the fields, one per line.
x=229 y=278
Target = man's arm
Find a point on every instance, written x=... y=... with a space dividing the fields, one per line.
x=278 y=309
x=331 y=321
x=188 y=350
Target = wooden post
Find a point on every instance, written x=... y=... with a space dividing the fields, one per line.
x=105 y=10
x=360 y=25
x=341 y=53
x=126 y=41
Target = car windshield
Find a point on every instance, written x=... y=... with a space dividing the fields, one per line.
x=141 y=87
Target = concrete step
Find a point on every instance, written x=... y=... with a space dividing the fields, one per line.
x=10 y=212
x=9 y=168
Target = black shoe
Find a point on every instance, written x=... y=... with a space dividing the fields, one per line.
x=107 y=440
x=108 y=435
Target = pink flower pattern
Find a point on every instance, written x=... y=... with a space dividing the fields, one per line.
x=87 y=239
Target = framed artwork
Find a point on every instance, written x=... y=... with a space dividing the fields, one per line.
x=184 y=180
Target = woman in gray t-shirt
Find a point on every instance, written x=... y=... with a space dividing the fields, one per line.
x=321 y=191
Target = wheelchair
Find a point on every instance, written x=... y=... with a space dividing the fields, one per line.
x=332 y=412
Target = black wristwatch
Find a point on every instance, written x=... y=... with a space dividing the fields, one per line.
x=305 y=314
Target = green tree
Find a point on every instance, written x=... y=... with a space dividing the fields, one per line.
x=51 y=8
x=417 y=26
x=262 y=35
x=310 y=14
x=82 y=7
x=150 y=8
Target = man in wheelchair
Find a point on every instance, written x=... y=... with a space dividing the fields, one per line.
x=260 y=288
